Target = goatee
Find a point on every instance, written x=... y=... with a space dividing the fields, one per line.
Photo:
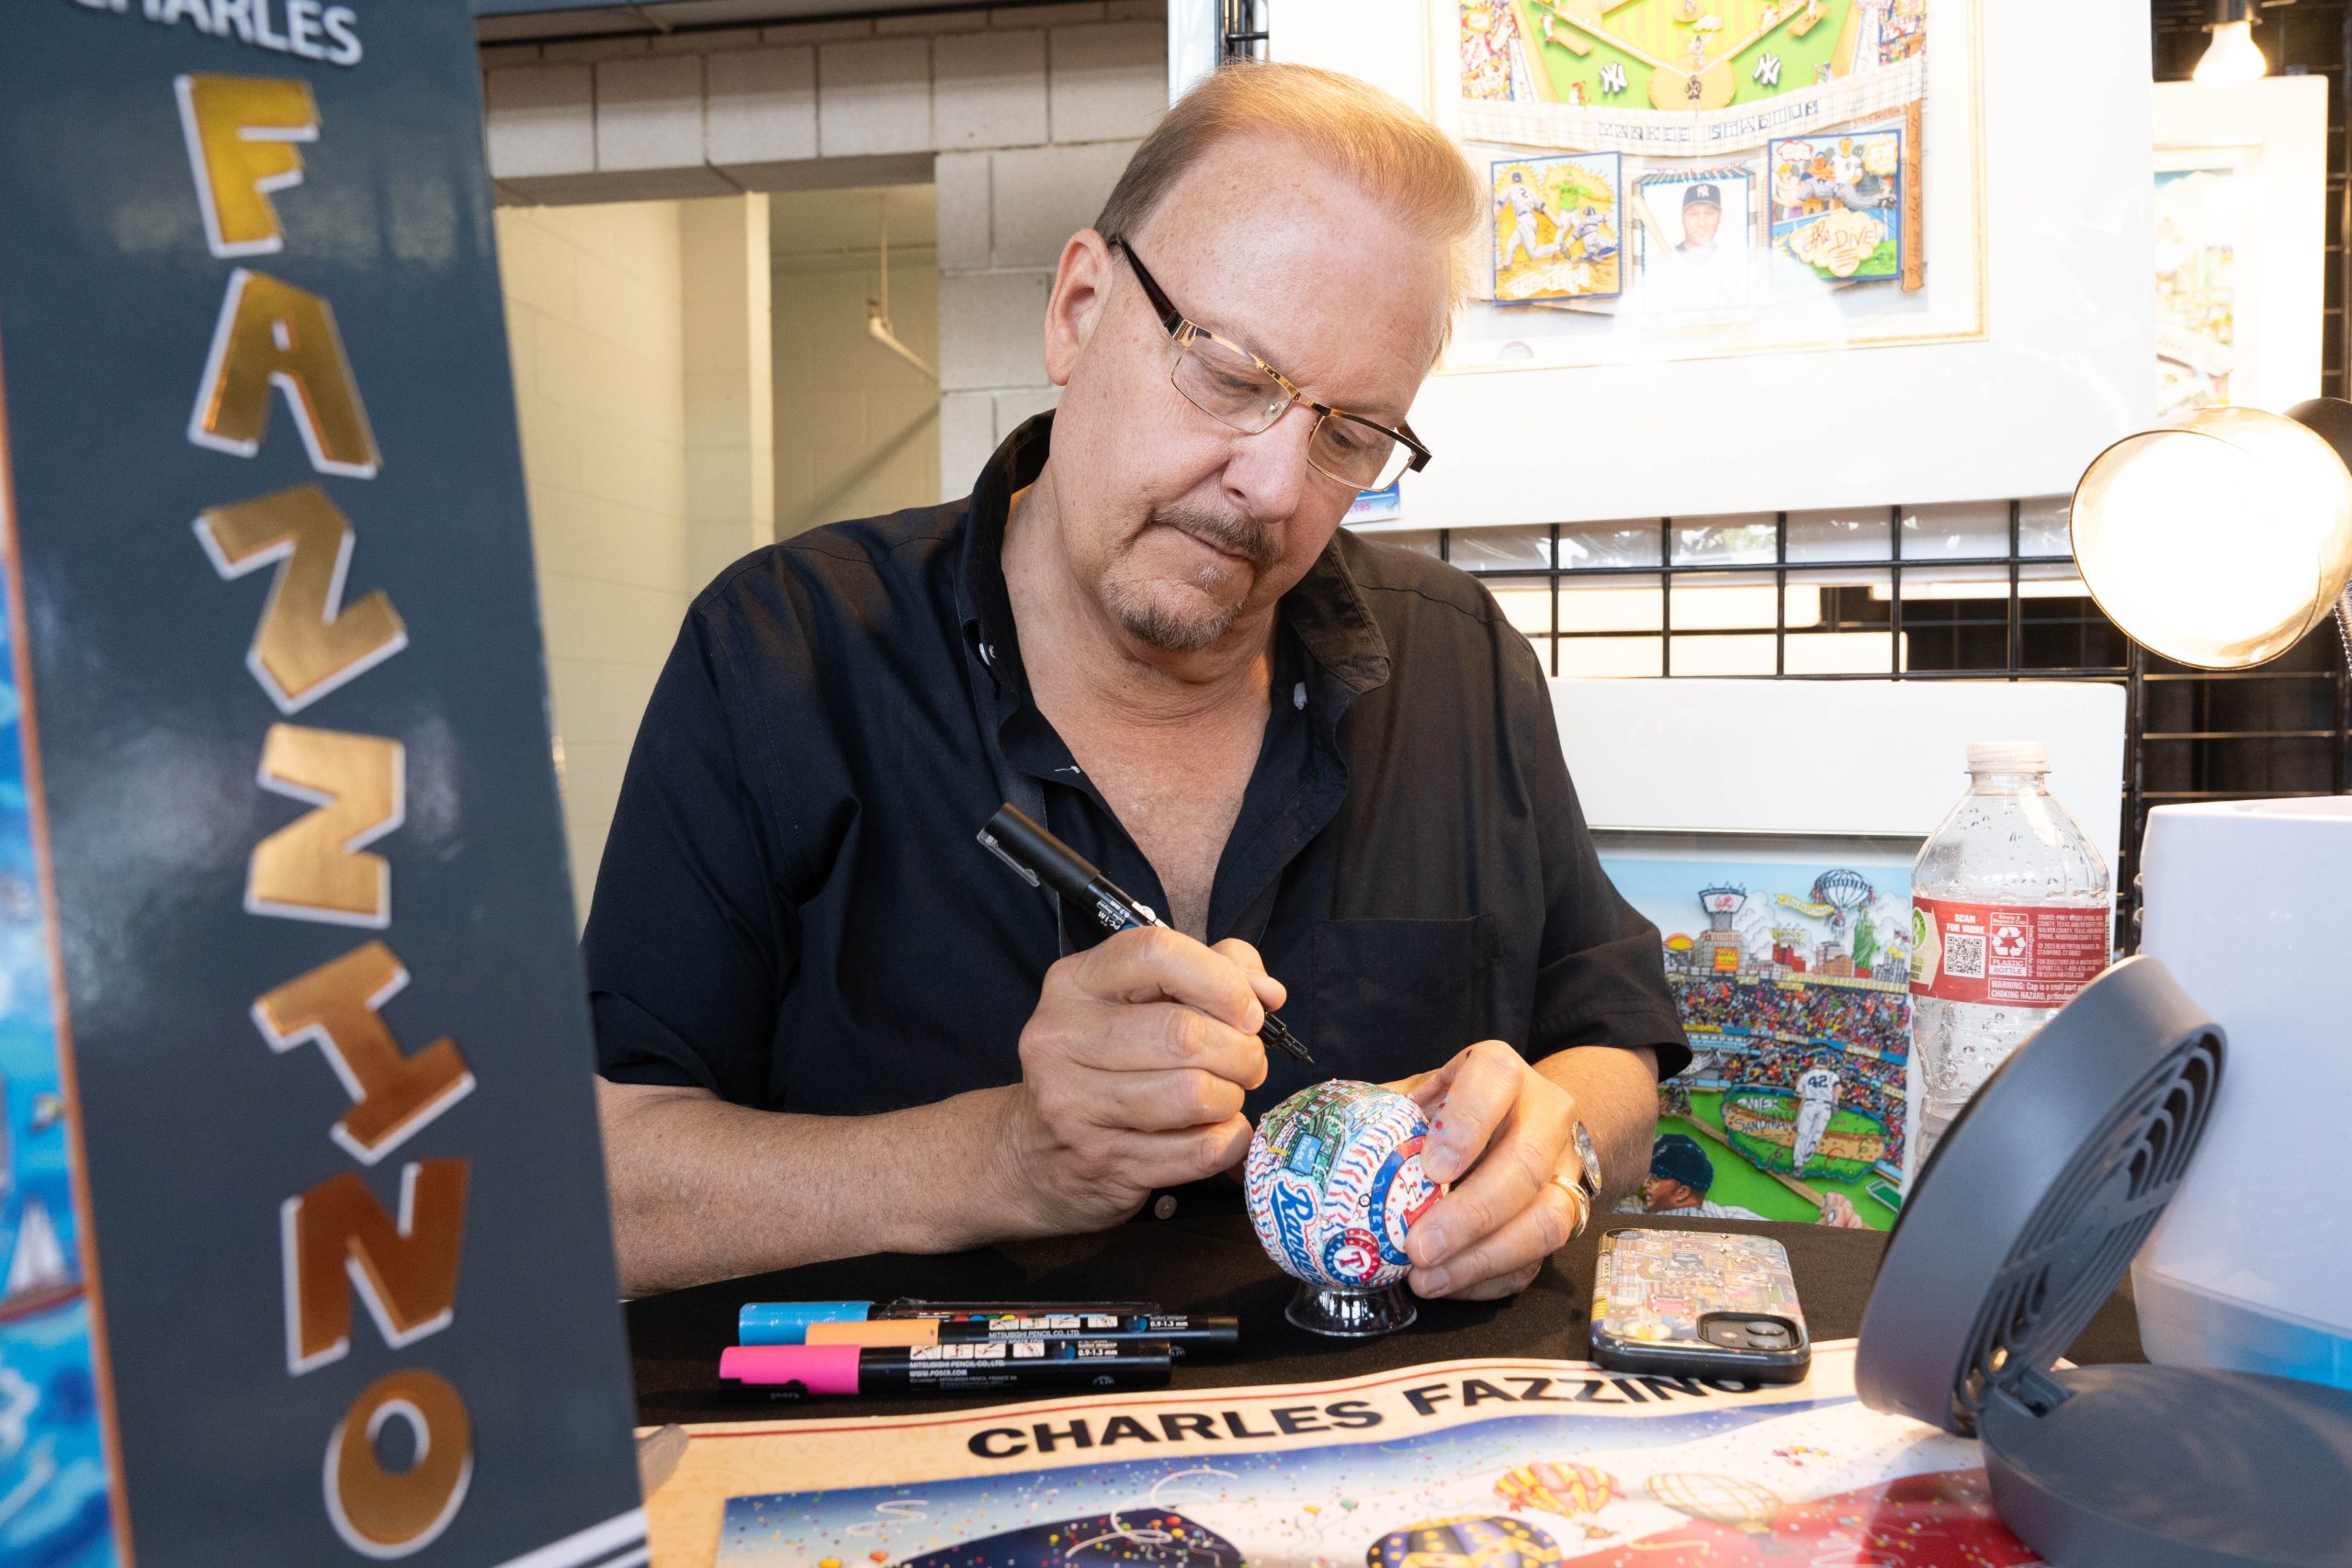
x=1153 y=624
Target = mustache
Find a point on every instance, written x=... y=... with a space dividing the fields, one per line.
x=1243 y=537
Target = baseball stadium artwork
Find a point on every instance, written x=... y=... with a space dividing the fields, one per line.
x=1771 y=161
x=1793 y=977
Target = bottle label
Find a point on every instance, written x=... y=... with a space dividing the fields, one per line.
x=2005 y=955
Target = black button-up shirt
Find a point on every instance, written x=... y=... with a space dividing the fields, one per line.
x=794 y=914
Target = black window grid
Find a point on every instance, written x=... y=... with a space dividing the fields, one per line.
x=2284 y=729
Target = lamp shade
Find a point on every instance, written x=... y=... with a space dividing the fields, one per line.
x=2220 y=540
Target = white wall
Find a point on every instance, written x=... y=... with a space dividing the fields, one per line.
x=856 y=426
x=729 y=382
x=593 y=318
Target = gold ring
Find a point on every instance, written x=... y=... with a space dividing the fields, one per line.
x=1584 y=1204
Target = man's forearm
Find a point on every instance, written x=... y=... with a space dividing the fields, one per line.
x=1616 y=1096
x=703 y=1190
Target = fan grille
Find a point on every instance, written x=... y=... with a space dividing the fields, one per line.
x=2083 y=1236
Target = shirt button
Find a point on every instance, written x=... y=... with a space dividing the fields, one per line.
x=1164 y=1206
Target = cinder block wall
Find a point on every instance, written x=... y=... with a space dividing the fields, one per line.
x=594 y=320
x=1021 y=116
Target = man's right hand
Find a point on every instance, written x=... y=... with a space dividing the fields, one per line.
x=1133 y=1070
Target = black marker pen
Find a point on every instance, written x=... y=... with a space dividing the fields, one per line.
x=1037 y=854
x=1183 y=1335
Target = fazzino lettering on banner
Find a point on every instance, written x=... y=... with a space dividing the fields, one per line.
x=310 y=990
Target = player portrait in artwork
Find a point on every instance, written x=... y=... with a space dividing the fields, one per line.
x=1696 y=246
x=1557 y=229
x=1772 y=156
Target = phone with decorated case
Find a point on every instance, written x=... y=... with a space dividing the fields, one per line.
x=1698 y=1303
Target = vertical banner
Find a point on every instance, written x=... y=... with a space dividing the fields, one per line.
x=307 y=1256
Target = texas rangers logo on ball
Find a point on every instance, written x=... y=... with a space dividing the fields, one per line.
x=1352 y=1255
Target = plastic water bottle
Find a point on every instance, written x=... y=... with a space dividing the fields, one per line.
x=2010 y=915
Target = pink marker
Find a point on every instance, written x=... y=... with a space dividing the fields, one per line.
x=796 y=1371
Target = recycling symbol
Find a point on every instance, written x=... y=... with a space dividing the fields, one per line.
x=2009 y=942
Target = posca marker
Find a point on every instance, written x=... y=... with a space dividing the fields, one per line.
x=797 y=1371
x=1183 y=1335
x=787 y=1323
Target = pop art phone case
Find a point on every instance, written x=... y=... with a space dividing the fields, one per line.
x=1698 y=1303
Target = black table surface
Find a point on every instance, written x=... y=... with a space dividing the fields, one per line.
x=1213 y=1264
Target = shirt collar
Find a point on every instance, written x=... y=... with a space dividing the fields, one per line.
x=1325 y=610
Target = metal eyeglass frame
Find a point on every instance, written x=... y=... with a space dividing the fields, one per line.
x=1183 y=330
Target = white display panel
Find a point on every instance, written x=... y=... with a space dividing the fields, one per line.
x=2058 y=371
x=1828 y=757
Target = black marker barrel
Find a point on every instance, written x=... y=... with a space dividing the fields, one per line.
x=1183 y=1335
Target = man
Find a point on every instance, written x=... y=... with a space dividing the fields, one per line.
x=1817 y=1088
x=1702 y=215
x=831 y=1024
x=1587 y=229
x=1700 y=274
x=1681 y=1175
x=1521 y=198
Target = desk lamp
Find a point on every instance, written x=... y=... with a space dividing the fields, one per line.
x=2219 y=542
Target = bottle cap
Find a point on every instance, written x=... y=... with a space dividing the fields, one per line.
x=2008 y=756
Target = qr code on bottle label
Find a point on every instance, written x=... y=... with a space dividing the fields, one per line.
x=1965 y=958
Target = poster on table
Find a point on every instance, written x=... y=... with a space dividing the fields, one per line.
x=1771 y=253
x=303 y=1249
x=1500 y=1464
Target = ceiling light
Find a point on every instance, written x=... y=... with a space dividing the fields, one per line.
x=2231 y=59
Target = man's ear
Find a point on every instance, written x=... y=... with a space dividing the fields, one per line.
x=1082 y=284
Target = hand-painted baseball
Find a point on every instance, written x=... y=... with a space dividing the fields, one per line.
x=1334 y=1181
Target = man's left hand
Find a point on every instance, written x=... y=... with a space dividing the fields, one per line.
x=1500 y=1133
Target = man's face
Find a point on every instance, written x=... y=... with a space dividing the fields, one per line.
x=1700 y=222
x=1182 y=526
x=1661 y=1194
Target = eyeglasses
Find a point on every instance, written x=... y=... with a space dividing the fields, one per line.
x=1240 y=390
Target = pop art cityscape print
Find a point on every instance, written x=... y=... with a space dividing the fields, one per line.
x=55 y=1506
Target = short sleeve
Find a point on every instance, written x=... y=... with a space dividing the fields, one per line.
x=688 y=946
x=1601 y=973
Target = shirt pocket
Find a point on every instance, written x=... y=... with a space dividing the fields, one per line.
x=1395 y=998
